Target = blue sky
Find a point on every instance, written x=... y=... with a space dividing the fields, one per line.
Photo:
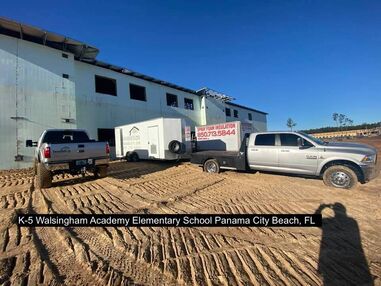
x=298 y=59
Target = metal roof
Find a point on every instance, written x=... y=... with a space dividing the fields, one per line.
x=215 y=94
x=82 y=52
x=46 y=38
x=244 y=107
x=136 y=74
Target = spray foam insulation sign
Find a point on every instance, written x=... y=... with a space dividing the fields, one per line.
x=216 y=131
x=224 y=136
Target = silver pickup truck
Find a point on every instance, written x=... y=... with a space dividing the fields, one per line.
x=340 y=165
x=68 y=150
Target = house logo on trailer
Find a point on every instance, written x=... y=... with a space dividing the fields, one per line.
x=134 y=131
x=133 y=138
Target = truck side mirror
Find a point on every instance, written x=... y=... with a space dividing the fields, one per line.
x=300 y=142
x=30 y=143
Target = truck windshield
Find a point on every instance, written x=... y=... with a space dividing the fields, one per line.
x=65 y=136
x=317 y=141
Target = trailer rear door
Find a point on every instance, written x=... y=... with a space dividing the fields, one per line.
x=153 y=141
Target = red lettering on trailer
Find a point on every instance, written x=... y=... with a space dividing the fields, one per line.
x=218 y=130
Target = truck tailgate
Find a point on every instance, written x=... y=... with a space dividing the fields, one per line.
x=77 y=151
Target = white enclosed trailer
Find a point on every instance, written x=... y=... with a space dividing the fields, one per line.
x=161 y=138
x=223 y=136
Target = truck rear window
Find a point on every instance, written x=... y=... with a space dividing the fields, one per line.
x=58 y=137
x=265 y=140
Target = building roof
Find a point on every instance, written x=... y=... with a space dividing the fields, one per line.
x=81 y=51
x=46 y=38
x=248 y=108
x=136 y=74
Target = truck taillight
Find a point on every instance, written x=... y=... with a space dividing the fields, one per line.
x=47 y=152
x=107 y=149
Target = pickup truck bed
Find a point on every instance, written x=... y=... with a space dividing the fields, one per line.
x=68 y=151
x=226 y=159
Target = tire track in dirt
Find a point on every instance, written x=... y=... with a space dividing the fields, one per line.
x=184 y=260
x=174 y=256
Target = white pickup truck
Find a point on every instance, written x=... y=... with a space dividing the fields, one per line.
x=68 y=150
x=341 y=165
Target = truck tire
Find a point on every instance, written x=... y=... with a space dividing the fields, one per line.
x=44 y=176
x=211 y=166
x=101 y=172
x=340 y=176
x=35 y=167
x=175 y=147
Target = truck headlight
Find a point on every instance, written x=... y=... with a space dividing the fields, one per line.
x=369 y=159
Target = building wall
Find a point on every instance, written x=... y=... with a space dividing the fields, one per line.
x=348 y=133
x=34 y=96
x=259 y=120
x=212 y=111
x=96 y=110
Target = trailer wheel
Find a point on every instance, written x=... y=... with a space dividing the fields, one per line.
x=132 y=157
x=175 y=147
x=44 y=176
x=211 y=166
x=101 y=171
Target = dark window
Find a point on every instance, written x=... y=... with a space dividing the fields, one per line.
x=65 y=75
x=289 y=140
x=292 y=140
x=105 y=85
x=138 y=92
x=236 y=113
x=66 y=56
x=108 y=135
x=250 y=116
x=172 y=100
x=188 y=103
x=265 y=140
x=66 y=136
x=228 y=112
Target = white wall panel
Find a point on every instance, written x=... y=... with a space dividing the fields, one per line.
x=33 y=93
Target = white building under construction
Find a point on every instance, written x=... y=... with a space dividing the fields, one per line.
x=51 y=81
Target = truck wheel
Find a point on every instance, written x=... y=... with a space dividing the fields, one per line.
x=101 y=172
x=211 y=166
x=44 y=176
x=340 y=177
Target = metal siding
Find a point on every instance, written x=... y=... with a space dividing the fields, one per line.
x=8 y=103
x=36 y=93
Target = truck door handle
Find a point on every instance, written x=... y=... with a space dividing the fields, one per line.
x=81 y=151
x=254 y=149
x=285 y=150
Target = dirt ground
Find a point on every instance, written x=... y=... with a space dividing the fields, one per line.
x=346 y=251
